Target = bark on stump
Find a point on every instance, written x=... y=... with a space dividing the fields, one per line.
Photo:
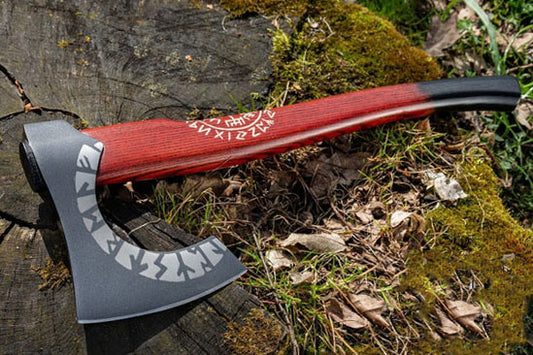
x=109 y=63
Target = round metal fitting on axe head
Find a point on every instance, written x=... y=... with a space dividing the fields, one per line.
x=114 y=279
x=31 y=169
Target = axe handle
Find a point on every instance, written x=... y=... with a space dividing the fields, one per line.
x=161 y=148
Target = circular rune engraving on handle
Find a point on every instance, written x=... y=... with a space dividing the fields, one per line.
x=236 y=127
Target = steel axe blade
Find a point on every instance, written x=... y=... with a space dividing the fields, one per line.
x=114 y=279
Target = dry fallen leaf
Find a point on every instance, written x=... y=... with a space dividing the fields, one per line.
x=301 y=277
x=440 y=5
x=398 y=217
x=129 y=186
x=466 y=13
x=465 y=314
x=279 y=259
x=334 y=225
x=327 y=172
x=370 y=307
x=364 y=216
x=377 y=208
x=446 y=188
x=441 y=35
x=447 y=326
x=281 y=181
x=524 y=115
x=196 y=184
x=340 y=313
x=523 y=42
x=423 y=125
x=410 y=225
x=323 y=180
x=321 y=242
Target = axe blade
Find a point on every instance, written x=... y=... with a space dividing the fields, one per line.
x=114 y=279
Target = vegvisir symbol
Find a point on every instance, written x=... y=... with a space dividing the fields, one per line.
x=239 y=127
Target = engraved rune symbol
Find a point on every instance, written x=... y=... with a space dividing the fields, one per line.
x=235 y=121
x=239 y=127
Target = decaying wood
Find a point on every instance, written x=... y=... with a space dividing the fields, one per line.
x=104 y=63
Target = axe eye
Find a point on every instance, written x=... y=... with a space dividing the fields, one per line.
x=31 y=169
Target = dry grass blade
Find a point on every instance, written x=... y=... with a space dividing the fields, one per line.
x=295 y=349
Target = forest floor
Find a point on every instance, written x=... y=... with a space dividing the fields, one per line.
x=406 y=238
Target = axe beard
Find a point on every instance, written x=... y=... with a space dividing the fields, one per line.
x=114 y=279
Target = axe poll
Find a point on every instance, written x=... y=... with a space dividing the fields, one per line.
x=114 y=279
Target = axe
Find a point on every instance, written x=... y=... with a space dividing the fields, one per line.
x=114 y=279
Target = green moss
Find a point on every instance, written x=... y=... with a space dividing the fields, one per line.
x=260 y=334
x=54 y=275
x=336 y=47
x=344 y=47
x=478 y=236
x=81 y=124
x=265 y=7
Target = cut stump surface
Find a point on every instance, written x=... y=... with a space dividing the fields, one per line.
x=106 y=63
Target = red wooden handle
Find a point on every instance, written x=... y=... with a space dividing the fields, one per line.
x=161 y=148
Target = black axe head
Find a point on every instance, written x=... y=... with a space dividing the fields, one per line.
x=113 y=279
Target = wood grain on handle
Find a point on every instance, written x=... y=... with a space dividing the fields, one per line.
x=161 y=148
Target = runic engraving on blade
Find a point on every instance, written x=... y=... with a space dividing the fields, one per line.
x=113 y=278
x=176 y=266
x=236 y=127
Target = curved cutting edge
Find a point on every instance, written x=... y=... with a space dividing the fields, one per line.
x=114 y=279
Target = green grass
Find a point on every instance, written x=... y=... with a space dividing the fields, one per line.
x=411 y=17
x=511 y=142
x=194 y=210
x=397 y=150
x=304 y=303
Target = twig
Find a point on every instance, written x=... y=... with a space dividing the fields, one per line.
x=295 y=349
x=143 y=225
x=526 y=66
x=340 y=216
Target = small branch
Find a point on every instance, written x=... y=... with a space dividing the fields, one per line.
x=526 y=66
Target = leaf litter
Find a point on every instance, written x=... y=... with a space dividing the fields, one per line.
x=372 y=235
x=466 y=314
x=371 y=307
x=341 y=313
x=331 y=199
x=320 y=242
x=279 y=259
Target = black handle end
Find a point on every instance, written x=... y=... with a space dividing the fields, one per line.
x=501 y=93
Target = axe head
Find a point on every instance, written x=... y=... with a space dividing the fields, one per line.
x=113 y=279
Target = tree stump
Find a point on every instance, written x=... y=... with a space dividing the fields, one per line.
x=102 y=64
